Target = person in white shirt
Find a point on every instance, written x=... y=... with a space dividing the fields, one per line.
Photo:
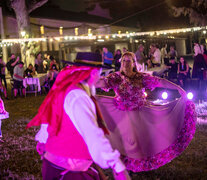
x=72 y=131
x=163 y=53
x=156 y=61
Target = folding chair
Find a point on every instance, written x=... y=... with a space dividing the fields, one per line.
x=31 y=86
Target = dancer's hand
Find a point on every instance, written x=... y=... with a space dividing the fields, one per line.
x=40 y=148
x=123 y=175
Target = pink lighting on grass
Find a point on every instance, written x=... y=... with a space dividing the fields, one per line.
x=190 y=95
x=164 y=95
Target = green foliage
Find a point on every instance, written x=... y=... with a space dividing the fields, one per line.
x=197 y=12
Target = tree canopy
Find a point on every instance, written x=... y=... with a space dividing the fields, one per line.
x=197 y=12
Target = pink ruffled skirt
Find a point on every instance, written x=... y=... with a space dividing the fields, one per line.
x=151 y=136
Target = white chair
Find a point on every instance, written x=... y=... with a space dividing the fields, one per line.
x=32 y=85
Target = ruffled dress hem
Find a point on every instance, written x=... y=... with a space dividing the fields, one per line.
x=180 y=144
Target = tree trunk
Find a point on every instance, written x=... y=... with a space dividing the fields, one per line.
x=22 y=17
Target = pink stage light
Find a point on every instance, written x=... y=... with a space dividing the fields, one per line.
x=145 y=94
x=190 y=95
x=164 y=95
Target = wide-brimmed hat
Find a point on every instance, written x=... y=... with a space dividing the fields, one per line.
x=88 y=59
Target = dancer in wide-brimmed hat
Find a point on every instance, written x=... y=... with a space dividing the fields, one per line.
x=72 y=133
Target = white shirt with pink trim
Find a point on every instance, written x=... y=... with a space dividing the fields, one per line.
x=81 y=110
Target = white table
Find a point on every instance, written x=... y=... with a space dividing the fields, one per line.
x=3 y=116
x=38 y=80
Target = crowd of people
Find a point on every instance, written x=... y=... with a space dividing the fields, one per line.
x=172 y=66
x=18 y=72
x=79 y=133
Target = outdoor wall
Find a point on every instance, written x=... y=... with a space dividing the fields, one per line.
x=180 y=45
x=69 y=26
x=121 y=46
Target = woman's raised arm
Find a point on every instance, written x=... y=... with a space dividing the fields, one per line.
x=164 y=83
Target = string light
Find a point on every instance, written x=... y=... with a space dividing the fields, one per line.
x=61 y=30
x=76 y=31
x=42 y=31
x=66 y=37
x=90 y=36
x=100 y=40
x=89 y=31
x=23 y=33
x=57 y=38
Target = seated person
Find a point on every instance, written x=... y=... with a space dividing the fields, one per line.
x=30 y=71
x=183 y=69
x=52 y=75
x=52 y=63
x=172 y=69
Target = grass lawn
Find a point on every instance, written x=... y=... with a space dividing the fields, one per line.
x=19 y=159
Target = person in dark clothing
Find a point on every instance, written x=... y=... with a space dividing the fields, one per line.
x=172 y=69
x=172 y=53
x=117 y=58
x=29 y=72
x=199 y=64
x=183 y=69
x=2 y=72
x=11 y=64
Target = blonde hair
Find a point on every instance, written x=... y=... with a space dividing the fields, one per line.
x=132 y=55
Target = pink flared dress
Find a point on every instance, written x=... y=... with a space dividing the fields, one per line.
x=147 y=135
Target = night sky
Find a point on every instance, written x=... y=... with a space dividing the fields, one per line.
x=159 y=17
x=156 y=18
x=70 y=5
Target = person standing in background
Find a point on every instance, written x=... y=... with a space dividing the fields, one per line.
x=18 y=78
x=172 y=53
x=2 y=73
x=140 y=54
x=11 y=64
x=199 y=64
x=156 y=60
x=163 y=53
x=39 y=64
x=124 y=50
x=107 y=57
x=117 y=58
